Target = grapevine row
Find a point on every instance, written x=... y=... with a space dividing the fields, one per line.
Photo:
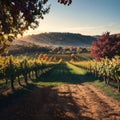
x=107 y=69
x=12 y=68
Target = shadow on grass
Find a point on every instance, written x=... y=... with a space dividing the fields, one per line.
x=42 y=103
x=62 y=73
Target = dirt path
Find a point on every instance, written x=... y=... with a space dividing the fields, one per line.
x=66 y=102
x=70 y=101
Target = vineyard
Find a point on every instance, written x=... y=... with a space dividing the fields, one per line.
x=108 y=70
x=57 y=87
x=66 y=69
x=13 y=69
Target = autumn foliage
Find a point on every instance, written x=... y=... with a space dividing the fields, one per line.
x=106 y=46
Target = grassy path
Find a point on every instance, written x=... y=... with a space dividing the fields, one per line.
x=65 y=73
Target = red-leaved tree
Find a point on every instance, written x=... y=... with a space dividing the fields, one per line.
x=106 y=46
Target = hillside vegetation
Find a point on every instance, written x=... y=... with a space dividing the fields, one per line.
x=59 y=39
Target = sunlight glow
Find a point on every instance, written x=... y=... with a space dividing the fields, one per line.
x=84 y=17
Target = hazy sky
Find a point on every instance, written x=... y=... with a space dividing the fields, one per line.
x=89 y=17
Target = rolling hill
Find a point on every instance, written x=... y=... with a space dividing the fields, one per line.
x=57 y=39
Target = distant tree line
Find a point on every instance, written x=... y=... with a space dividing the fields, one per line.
x=32 y=48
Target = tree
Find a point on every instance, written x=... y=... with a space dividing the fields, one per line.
x=65 y=2
x=17 y=16
x=106 y=46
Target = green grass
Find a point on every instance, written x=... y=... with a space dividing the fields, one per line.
x=110 y=92
x=65 y=73
x=76 y=70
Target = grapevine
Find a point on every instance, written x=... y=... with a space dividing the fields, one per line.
x=107 y=69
